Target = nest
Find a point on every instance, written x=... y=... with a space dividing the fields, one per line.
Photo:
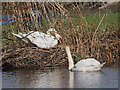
x=33 y=57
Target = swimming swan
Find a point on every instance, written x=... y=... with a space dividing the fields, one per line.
x=40 y=39
x=89 y=64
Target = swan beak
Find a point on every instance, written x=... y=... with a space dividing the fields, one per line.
x=60 y=41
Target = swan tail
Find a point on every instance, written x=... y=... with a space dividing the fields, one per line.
x=103 y=64
x=17 y=35
x=20 y=36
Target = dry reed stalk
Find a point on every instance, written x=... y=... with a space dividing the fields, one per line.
x=96 y=32
x=20 y=19
x=46 y=12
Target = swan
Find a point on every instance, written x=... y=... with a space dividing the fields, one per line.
x=41 y=39
x=89 y=64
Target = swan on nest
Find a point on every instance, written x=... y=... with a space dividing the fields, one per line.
x=40 y=39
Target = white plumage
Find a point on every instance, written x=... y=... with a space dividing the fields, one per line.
x=89 y=64
x=40 y=39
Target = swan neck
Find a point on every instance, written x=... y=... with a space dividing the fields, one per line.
x=70 y=60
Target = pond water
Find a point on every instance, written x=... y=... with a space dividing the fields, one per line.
x=60 y=78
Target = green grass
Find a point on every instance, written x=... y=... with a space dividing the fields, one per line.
x=111 y=18
x=93 y=20
x=110 y=21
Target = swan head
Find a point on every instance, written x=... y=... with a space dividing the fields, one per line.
x=54 y=33
x=51 y=30
x=58 y=37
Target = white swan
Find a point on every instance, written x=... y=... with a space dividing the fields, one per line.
x=40 y=39
x=89 y=64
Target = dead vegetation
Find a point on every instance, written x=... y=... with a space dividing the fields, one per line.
x=33 y=57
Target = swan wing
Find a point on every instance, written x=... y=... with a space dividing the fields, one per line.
x=42 y=40
x=87 y=63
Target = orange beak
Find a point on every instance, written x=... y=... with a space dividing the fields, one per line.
x=60 y=41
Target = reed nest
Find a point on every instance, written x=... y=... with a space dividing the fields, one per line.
x=34 y=57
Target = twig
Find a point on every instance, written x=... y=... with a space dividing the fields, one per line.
x=96 y=32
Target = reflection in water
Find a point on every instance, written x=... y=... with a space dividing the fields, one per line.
x=90 y=79
x=54 y=79
x=60 y=78
x=71 y=79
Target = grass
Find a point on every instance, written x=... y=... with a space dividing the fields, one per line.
x=93 y=20
x=109 y=20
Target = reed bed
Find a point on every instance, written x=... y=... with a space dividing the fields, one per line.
x=99 y=41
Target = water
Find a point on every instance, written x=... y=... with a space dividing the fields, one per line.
x=60 y=78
